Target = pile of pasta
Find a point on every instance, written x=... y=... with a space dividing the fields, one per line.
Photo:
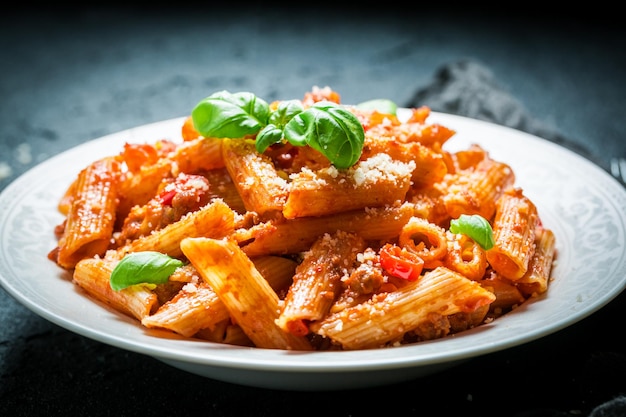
x=281 y=250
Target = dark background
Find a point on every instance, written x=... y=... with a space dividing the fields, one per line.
x=70 y=74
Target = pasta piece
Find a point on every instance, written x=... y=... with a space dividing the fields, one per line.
x=186 y=273
x=514 y=234
x=426 y=240
x=430 y=166
x=372 y=118
x=508 y=295
x=137 y=189
x=465 y=256
x=226 y=332
x=215 y=219
x=320 y=94
x=476 y=190
x=91 y=219
x=317 y=281
x=249 y=298
x=375 y=182
x=197 y=155
x=428 y=204
x=277 y=271
x=195 y=307
x=386 y=317
x=234 y=335
x=215 y=333
x=469 y=158
x=136 y=156
x=297 y=235
x=65 y=203
x=222 y=186
x=92 y=275
x=432 y=135
x=261 y=188
x=419 y=115
x=536 y=278
x=188 y=131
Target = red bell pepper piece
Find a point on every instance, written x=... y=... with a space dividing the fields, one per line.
x=400 y=262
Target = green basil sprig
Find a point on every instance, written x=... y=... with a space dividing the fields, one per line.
x=325 y=126
x=381 y=105
x=273 y=132
x=476 y=227
x=146 y=267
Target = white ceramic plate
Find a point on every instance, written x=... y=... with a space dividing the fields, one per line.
x=583 y=205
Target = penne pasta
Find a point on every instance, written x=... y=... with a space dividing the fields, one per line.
x=92 y=275
x=387 y=317
x=137 y=189
x=222 y=187
x=260 y=187
x=278 y=271
x=249 y=298
x=537 y=277
x=197 y=155
x=317 y=281
x=297 y=235
x=416 y=129
x=195 y=307
x=375 y=182
x=429 y=165
x=213 y=220
x=514 y=234
x=508 y=295
x=91 y=218
x=476 y=190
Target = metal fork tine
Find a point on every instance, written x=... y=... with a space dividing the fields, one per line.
x=618 y=169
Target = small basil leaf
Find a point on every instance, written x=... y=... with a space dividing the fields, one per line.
x=380 y=105
x=228 y=115
x=273 y=132
x=146 y=267
x=285 y=111
x=330 y=129
x=476 y=227
x=268 y=136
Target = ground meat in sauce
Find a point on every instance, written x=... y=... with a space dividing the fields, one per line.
x=177 y=197
x=434 y=327
x=365 y=280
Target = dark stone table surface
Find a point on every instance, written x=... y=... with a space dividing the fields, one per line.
x=71 y=74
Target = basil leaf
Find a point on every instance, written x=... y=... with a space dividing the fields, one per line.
x=268 y=136
x=330 y=129
x=285 y=111
x=146 y=267
x=476 y=227
x=381 y=105
x=273 y=132
x=228 y=115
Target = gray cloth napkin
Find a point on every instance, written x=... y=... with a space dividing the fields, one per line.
x=468 y=88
